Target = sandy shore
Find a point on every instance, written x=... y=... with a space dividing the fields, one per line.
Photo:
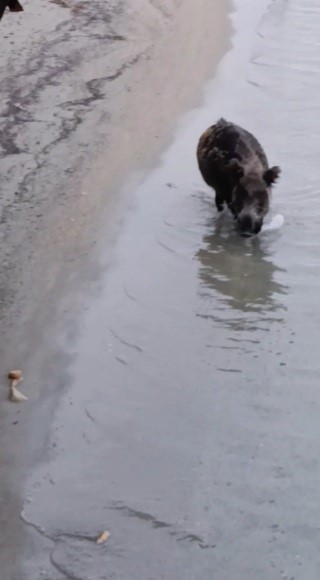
x=174 y=395
x=87 y=96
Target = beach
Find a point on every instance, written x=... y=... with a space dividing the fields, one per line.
x=171 y=366
x=90 y=92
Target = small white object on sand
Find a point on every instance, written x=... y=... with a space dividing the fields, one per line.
x=103 y=537
x=14 y=394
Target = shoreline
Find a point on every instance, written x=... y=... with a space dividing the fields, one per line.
x=72 y=129
x=48 y=235
x=86 y=148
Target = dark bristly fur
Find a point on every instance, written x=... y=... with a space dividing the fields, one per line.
x=232 y=161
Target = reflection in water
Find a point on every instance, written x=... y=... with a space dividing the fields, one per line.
x=240 y=276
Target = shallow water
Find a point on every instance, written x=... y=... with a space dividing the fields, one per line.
x=191 y=426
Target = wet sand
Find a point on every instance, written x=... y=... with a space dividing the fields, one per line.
x=86 y=98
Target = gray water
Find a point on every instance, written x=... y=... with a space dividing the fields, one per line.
x=191 y=426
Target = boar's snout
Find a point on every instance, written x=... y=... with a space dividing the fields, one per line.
x=249 y=226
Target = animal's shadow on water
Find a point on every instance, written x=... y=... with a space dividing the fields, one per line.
x=238 y=284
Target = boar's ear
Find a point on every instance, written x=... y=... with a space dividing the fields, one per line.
x=236 y=168
x=271 y=175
